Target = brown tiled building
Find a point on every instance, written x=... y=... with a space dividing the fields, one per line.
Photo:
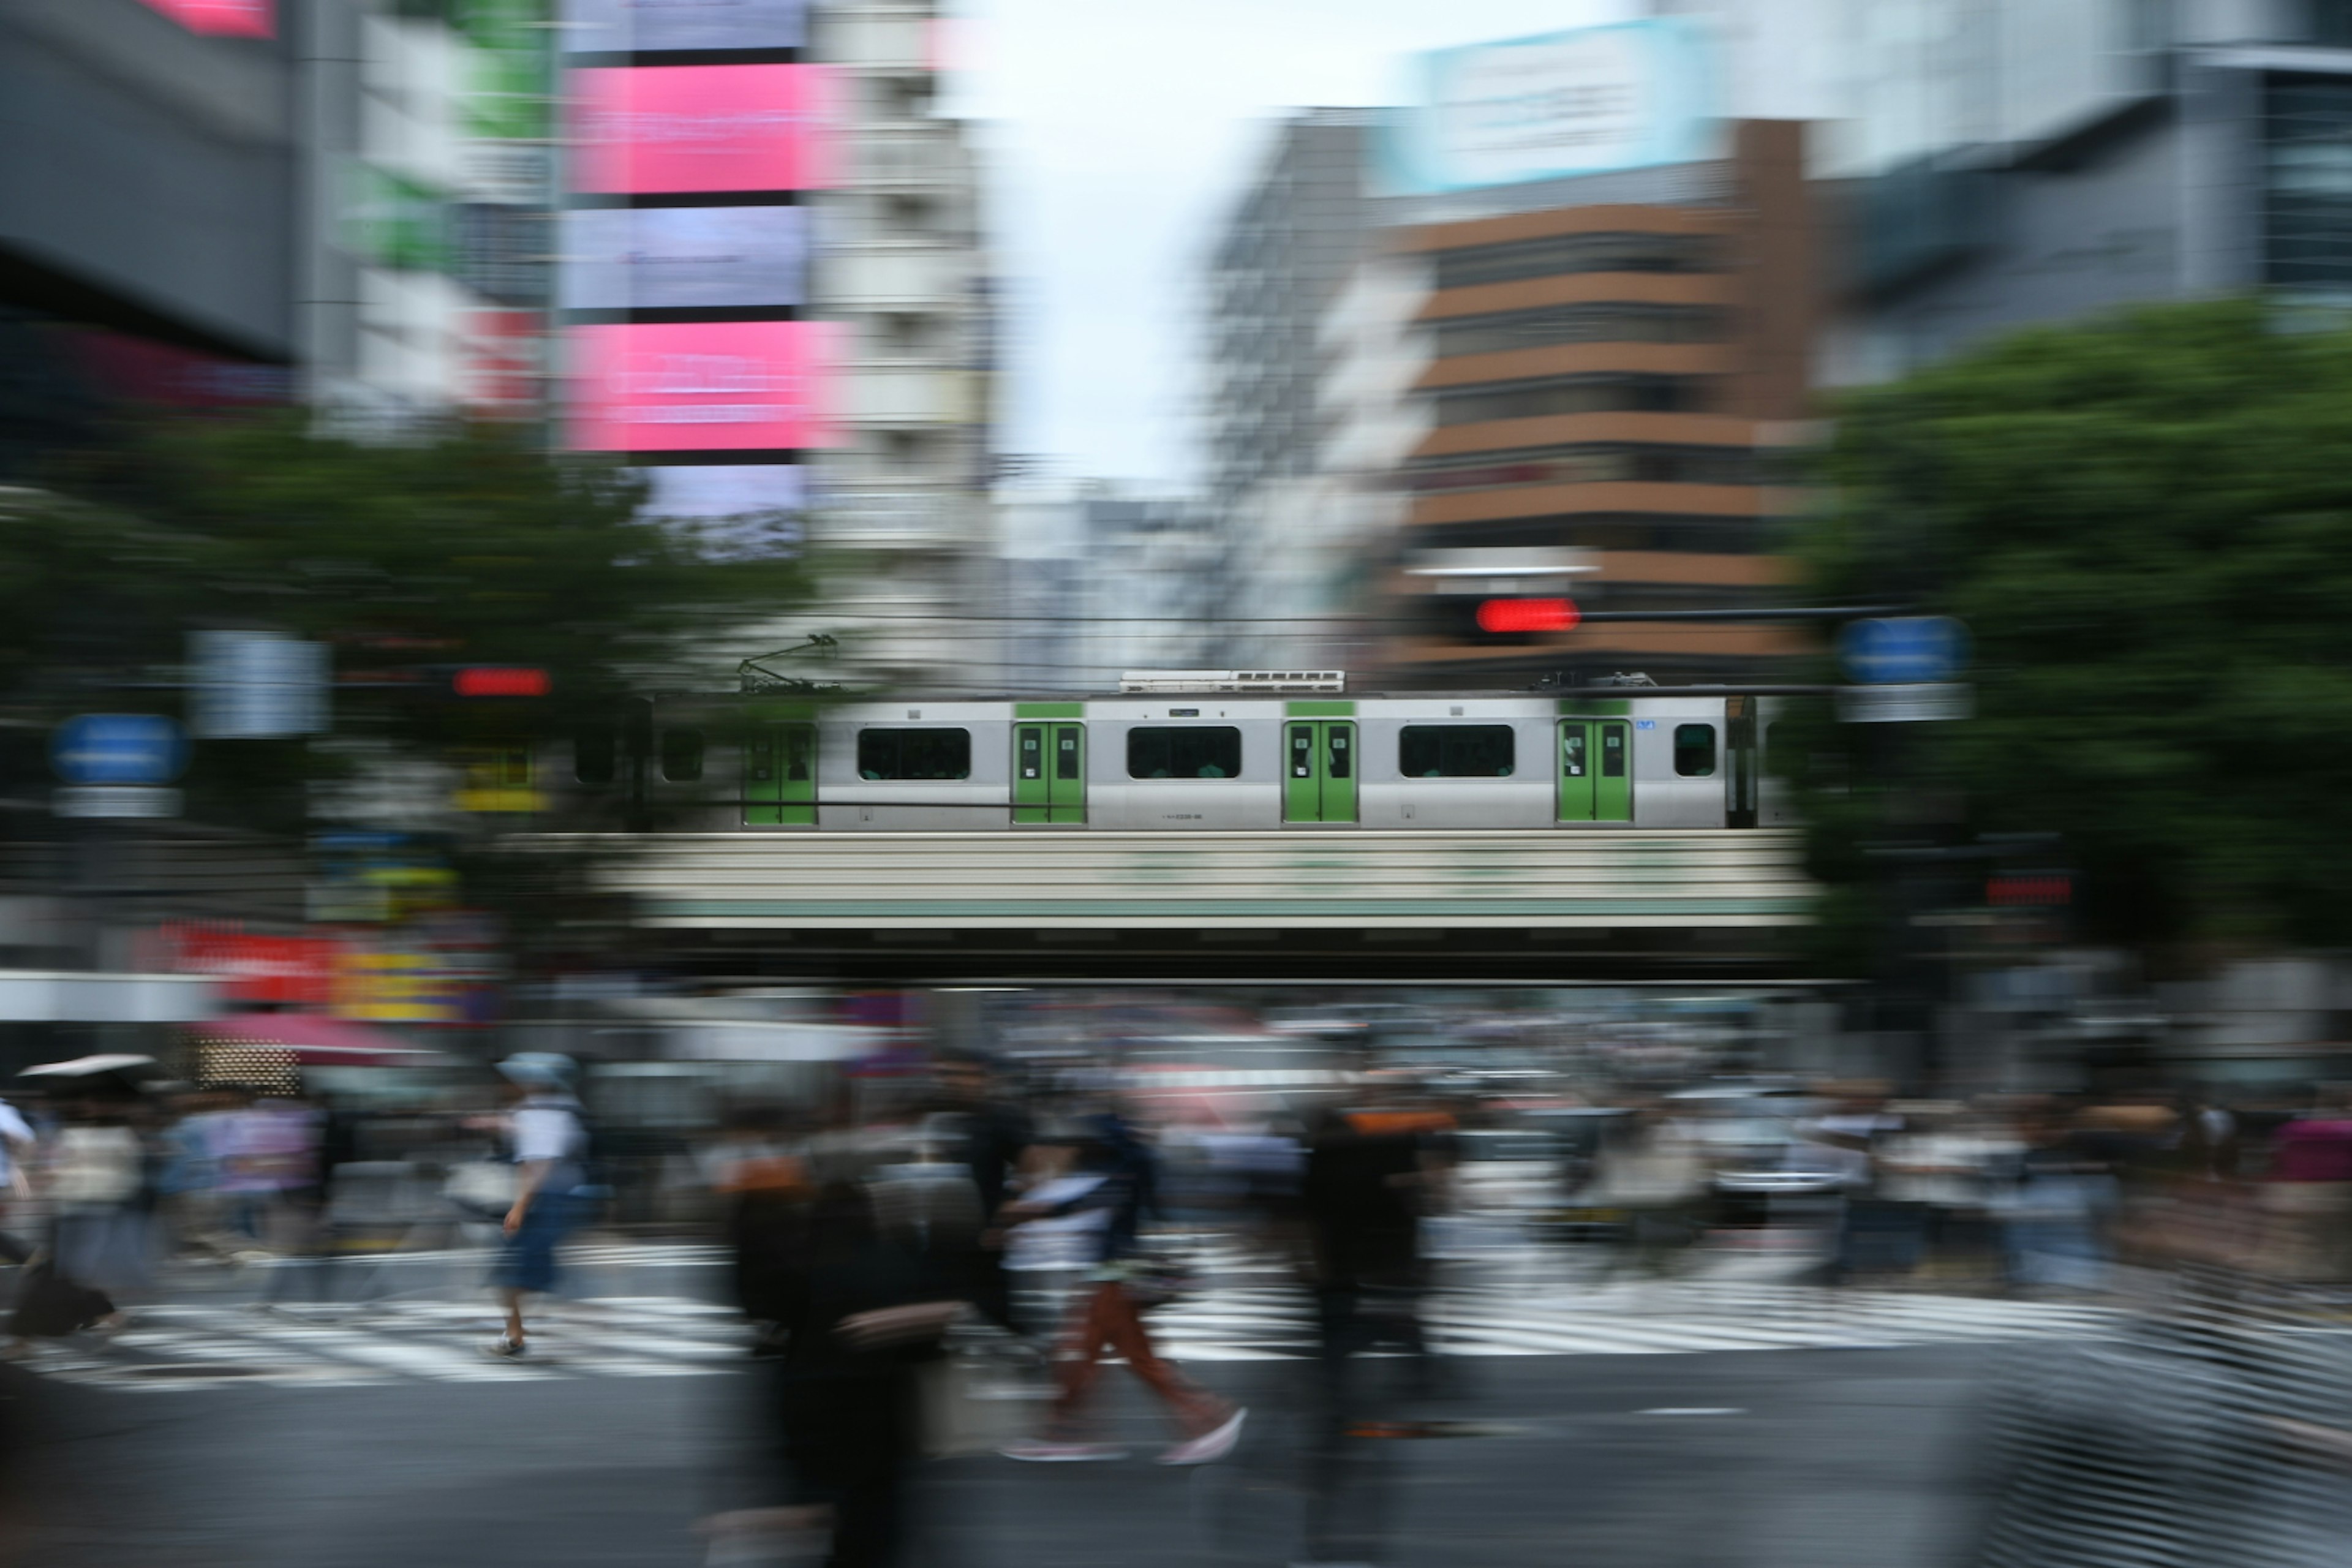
x=1611 y=389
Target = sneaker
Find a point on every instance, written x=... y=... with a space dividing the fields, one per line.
x=505 y=1349
x=1210 y=1445
x=1040 y=1451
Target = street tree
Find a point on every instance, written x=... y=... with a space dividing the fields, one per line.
x=2147 y=523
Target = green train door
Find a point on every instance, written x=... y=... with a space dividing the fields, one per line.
x=1596 y=770
x=1318 y=780
x=780 y=776
x=1049 y=773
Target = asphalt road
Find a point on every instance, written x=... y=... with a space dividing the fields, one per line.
x=1783 y=1459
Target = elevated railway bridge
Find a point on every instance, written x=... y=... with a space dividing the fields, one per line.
x=1362 y=906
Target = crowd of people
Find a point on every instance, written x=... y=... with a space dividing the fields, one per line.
x=876 y=1246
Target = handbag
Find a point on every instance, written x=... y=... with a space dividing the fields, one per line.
x=481 y=1190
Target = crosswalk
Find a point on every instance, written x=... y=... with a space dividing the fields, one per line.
x=182 y=1347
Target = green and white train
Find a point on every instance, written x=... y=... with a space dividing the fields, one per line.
x=1183 y=751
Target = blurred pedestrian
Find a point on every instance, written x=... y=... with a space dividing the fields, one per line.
x=1101 y=1204
x=550 y=1144
x=16 y=1148
x=857 y=1314
x=99 y=1200
x=992 y=1138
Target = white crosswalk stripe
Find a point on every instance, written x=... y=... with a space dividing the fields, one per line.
x=182 y=1347
x=1251 y=1310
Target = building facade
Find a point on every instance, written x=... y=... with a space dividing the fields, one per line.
x=900 y=509
x=2001 y=163
x=148 y=218
x=1298 y=234
x=1607 y=389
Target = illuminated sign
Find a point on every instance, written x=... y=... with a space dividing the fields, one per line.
x=228 y=19
x=1628 y=96
x=652 y=130
x=651 y=26
x=500 y=681
x=653 y=259
x=700 y=386
x=1527 y=615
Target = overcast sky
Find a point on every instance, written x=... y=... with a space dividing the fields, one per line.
x=1118 y=134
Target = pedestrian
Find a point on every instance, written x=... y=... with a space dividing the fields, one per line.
x=98 y=1200
x=993 y=1137
x=16 y=1148
x=549 y=1142
x=1102 y=1202
x=857 y=1314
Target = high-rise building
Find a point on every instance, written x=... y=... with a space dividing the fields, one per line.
x=1292 y=242
x=2006 y=163
x=1605 y=389
x=900 y=500
x=148 y=214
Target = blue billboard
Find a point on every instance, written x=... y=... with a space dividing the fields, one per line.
x=1631 y=95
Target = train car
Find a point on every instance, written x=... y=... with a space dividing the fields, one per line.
x=1223 y=755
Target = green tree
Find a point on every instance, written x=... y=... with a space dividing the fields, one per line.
x=467 y=546
x=2147 y=524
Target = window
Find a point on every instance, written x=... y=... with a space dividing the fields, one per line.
x=594 y=755
x=1581 y=325
x=1208 y=751
x=1555 y=253
x=1694 y=750
x=681 y=755
x=928 y=755
x=1455 y=751
x=1591 y=394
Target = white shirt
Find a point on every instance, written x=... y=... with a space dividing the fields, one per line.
x=548 y=1130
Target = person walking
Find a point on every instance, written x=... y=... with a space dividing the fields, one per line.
x=1102 y=1204
x=550 y=1144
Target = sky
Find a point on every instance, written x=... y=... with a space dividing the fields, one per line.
x=1118 y=134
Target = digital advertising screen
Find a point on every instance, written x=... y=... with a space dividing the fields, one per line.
x=667 y=130
x=739 y=511
x=657 y=27
x=225 y=18
x=701 y=386
x=658 y=259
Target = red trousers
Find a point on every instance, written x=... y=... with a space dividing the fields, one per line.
x=1106 y=1319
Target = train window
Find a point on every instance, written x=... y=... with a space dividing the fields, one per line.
x=1065 y=753
x=1613 y=750
x=1191 y=751
x=1694 y=750
x=1456 y=751
x=925 y=755
x=595 y=752
x=681 y=755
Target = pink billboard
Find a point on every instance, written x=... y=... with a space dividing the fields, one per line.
x=233 y=18
x=642 y=129
x=700 y=386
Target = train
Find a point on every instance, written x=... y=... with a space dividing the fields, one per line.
x=1178 y=751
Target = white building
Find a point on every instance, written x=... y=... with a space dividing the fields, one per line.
x=900 y=510
x=427 y=182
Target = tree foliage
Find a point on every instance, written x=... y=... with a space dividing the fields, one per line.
x=469 y=546
x=2147 y=524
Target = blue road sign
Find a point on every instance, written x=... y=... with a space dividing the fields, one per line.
x=118 y=749
x=1904 y=649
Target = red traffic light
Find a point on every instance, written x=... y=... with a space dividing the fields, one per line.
x=1527 y=615
x=500 y=681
